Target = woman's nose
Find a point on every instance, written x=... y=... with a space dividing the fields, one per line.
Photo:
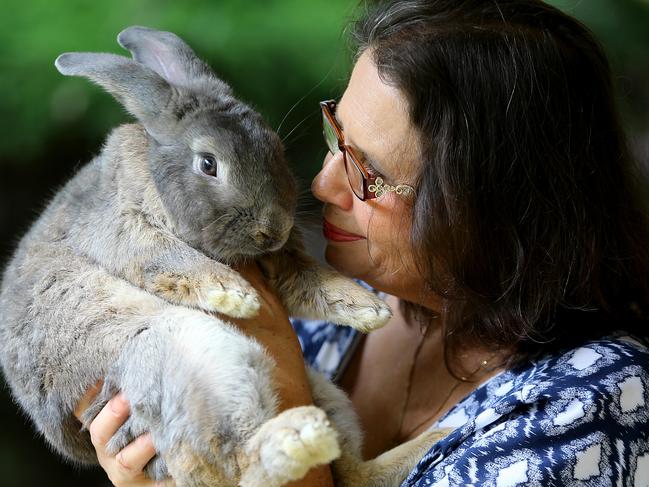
x=330 y=184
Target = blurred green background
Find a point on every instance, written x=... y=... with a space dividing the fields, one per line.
x=281 y=56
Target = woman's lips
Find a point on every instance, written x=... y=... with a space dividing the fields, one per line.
x=332 y=232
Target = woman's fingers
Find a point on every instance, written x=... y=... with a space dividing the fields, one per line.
x=108 y=421
x=134 y=457
x=126 y=469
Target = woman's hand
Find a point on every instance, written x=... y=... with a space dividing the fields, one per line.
x=126 y=468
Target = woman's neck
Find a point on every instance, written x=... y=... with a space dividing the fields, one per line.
x=468 y=359
x=430 y=372
x=399 y=383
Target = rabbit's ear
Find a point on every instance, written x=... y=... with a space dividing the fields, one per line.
x=142 y=92
x=168 y=55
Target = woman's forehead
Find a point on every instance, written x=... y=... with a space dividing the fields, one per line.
x=375 y=119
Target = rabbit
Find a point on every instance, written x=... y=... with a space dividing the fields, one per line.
x=122 y=275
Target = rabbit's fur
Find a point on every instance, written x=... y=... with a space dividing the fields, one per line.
x=120 y=276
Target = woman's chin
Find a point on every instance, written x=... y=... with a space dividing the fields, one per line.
x=348 y=263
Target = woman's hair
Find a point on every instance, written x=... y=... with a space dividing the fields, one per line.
x=528 y=217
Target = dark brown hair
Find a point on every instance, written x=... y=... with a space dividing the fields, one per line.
x=527 y=217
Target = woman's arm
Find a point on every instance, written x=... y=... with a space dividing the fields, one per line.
x=273 y=330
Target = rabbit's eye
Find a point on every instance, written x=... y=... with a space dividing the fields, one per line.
x=208 y=165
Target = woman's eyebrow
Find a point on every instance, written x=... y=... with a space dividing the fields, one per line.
x=365 y=156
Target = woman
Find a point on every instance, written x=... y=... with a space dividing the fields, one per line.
x=477 y=176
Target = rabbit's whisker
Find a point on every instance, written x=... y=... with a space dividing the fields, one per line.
x=284 y=139
x=305 y=195
x=214 y=222
x=298 y=136
x=313 y=88
x=225 y=229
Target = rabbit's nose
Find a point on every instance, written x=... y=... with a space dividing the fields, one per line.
x=265 y=241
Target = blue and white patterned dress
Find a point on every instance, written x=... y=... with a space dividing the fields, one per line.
x=578 y=418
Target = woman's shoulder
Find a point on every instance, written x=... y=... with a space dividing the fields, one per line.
x=578 y=415
x=606 y=367
x=593 y=358
x=595 y=365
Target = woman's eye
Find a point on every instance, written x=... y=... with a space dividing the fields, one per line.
x=371 y=171
x=208 y=165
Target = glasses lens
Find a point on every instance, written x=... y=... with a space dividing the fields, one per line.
x=355 y=176
x=329 y=135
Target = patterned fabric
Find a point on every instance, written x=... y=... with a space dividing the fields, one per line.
x=326 y=347
x=577 y=418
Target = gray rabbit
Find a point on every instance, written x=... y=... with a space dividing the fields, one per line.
x=121 y=275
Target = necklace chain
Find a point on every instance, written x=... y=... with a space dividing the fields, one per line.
x=406 y=399
x=424 y=331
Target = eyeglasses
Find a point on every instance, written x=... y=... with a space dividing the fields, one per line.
x=363 y=184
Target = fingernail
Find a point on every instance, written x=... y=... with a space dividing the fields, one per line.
x=145 y=438
x=118 y=403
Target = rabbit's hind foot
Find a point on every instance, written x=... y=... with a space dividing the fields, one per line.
x=286 y=447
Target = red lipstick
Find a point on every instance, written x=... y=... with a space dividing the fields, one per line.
x=332 y=232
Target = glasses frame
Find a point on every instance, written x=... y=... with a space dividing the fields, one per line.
x=373 y=186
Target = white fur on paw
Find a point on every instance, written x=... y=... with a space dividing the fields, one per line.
x=294 y=451
x=314 y=445
x=369 y=319
x=233 y=302
x=363 y=318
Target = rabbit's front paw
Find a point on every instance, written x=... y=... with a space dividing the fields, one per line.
x=237 y=303
x=352 y=305
x=216 y=289
x=289 y=445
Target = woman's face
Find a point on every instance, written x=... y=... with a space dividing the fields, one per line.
x=370 y=239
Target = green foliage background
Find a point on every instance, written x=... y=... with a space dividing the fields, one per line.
x=271 y=51
x=282 y=56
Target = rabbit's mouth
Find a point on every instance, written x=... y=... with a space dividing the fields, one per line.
x=268 y=241
x=244 y=235
x=251 y=246
x=259 y=243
